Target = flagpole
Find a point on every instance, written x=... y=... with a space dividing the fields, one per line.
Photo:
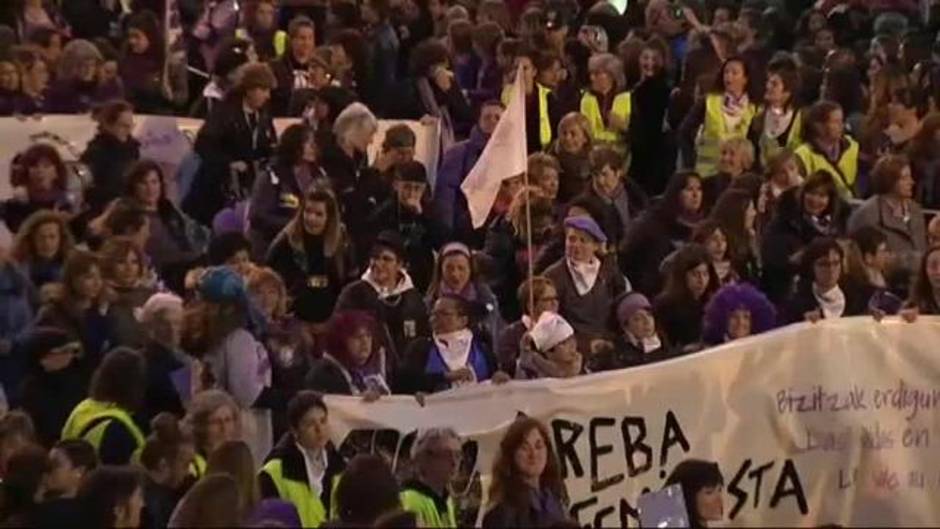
x=528 y=241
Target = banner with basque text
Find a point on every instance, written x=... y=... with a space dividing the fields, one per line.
x=832 y=423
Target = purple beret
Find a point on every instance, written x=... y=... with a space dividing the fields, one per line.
x=587 y=225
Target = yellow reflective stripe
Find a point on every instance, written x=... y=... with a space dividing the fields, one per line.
x=844 y=173
x=591 y=109
x=309 y=507
x=426 y=511
x=714 y=131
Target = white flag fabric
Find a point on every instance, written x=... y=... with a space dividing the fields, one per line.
x=503 y=157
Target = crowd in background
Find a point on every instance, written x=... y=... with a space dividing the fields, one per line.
x=698 y=172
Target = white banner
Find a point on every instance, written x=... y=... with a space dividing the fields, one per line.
x=833 y=423
x=165 y=139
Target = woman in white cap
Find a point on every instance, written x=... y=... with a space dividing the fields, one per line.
x=555 y=350
x=587 y=283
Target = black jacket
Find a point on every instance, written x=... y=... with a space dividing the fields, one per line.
x=358 y=188
x=403 y=316
x=226 y=137
x=50 y=397
x=313 y=280
x=652 y=150
x=161 y=394
x=786 y=234
x=419 y=232
x=680 y=320
x=108 y=160
x=275 y=198
x=652 y=238
x=624 y=355
x=802 y=300
x=295 y=468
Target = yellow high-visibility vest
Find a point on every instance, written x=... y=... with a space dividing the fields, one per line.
x=770 y=147
x=714 y=131
x=424 y=507
x=309 y=506
x=90 y=419
x=844 y=172
x=591 y=109
x=545 y=123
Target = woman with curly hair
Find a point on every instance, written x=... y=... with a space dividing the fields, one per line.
x=124 y=268
x=737 y=311
x=527 y=489
x=41 y=246
x=40 y=181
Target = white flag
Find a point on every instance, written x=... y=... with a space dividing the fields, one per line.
x=503 y=157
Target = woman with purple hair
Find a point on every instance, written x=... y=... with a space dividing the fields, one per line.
x=354 y=362
x=737 y=311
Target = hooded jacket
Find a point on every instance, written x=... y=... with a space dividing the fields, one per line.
x=450 y=204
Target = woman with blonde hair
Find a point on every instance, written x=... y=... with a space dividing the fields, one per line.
x=291 y=348
x=314 y=256
x=607 y=104
x=572 y=150
x=214 y=419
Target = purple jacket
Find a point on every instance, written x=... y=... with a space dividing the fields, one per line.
x=450 y=205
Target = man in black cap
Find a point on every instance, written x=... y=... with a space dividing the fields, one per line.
x=408 y=212
x=387 y=293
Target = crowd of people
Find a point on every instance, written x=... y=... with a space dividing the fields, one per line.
x=698 y=172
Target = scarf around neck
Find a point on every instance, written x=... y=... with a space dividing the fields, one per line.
x=584 y=275
x=832 y=302
x=454 y=348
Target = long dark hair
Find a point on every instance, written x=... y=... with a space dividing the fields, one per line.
x=730 y=211
x=687 y=258
x=922 y=296
x=669 y=207
x=507 y=485
x=694 y=475
x=121 y=378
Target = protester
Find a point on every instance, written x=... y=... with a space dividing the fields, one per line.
x=123 y=268
x=552 y=351
x=165 y=458
x=41 y=182
x=236 y=360
x=702 y=484
x=23 y=485
x=209 y=503
x=105 y=418
x=353 y=363
x=527 y=488
x=235 y=138
x=587 y=282
x=437 y=454
x=639 y=341
x=894 y=211
x=535 y=296
x=819 y=293
x=690 y=282
x=292 y=69
x=214 y=418
x=387 y=293
x=110 y=154
x=55 y=380
x=77 y=88
x=41 y=246
x=571 y=149
x=737 y=311
x=70 y=462
x=234 y=459
x=803 y=214
x=278 y=192
x=453 y=356
x=607 y=105
x=153 y=81
x=828 y=148
x=304 y=468
x=366 y=491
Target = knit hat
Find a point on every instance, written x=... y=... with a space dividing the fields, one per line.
x=587 y=225
x=389 y=240
x=221 y=284
x=42 y=340
x=630 y=304
x=412 y=171
x=550 y=330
